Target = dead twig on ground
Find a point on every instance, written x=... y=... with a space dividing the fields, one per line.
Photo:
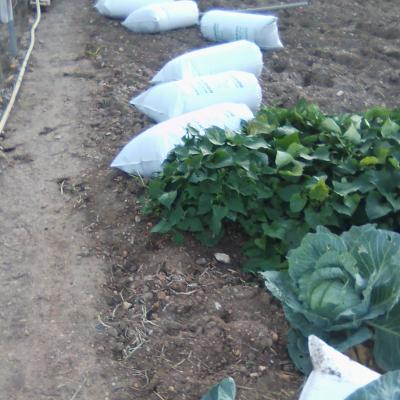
x=158 y=395
x=79 y=389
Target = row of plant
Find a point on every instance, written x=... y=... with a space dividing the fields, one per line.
x=289 y=171
x=287 y=177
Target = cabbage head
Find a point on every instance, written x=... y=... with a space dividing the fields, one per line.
x=344 y=289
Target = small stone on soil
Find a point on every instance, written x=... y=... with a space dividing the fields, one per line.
x=147 y=296
x=112 y=332
x=222 y=258
x=201 y=261
x=126 y=305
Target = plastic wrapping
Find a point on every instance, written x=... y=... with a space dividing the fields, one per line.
x=335 y=376
x=171 y=99
x=240 y=55
x=145 y=153
x=227 y=26
x=120 y=9
x=163 y=17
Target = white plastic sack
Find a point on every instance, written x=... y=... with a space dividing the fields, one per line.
x=145 y=153
x=122 y=8
x=163 y=17
x=241 y=55
x=226 y=26
x=335 y=376
x=171 y=99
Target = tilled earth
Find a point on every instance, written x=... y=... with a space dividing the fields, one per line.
x=178 y=320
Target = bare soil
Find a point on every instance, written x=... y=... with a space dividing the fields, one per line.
x=136 y=317
x=50 y=285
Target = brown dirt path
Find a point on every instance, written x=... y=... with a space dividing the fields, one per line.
x=49 y=282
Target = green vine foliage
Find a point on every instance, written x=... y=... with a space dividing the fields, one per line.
x=287 y=172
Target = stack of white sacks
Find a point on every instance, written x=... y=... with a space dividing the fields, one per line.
x=215 y=86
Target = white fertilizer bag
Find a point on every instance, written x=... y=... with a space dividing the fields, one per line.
x=226 y=26
x=335 y=376
x=163 y=17
x=171 y=99
x=241 y=55
x=122 y=8
x=145 y=153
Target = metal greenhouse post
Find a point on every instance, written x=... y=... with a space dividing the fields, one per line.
x=6 y=16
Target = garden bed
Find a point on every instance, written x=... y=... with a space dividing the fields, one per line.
x=179 y=320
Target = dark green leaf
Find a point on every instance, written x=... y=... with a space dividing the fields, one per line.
x=286 y=192
x=277 y=230
x=321 y=153
x=235 y=203
x=282 y=159
x=376 y=206
x=191 y=224
x=221 y=158
x=345 y=188
x=297 y=202
x=390 y=130
x=225 y=390
x=216 y=136
x=218 y=214
x=286 y=141
x=352 y=135
x=166 y=199
x=330 y=125
x=156 y=188
x=349 y=205
x=296 y=170
x=256 y=143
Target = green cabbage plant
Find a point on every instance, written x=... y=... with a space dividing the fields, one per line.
x=344 y=289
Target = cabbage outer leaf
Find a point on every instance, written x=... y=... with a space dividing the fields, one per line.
x=387 y=387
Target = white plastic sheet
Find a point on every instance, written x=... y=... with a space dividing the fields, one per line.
x=145 y=153
x=335 y=376
x=240 y=55
x=163 y=17
x=122 y=8
x=171 y=99
x=226 y=26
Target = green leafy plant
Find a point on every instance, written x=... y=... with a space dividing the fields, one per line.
x=287 y=172
x=225 y=390
x=345 y=290
x=387 y=387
